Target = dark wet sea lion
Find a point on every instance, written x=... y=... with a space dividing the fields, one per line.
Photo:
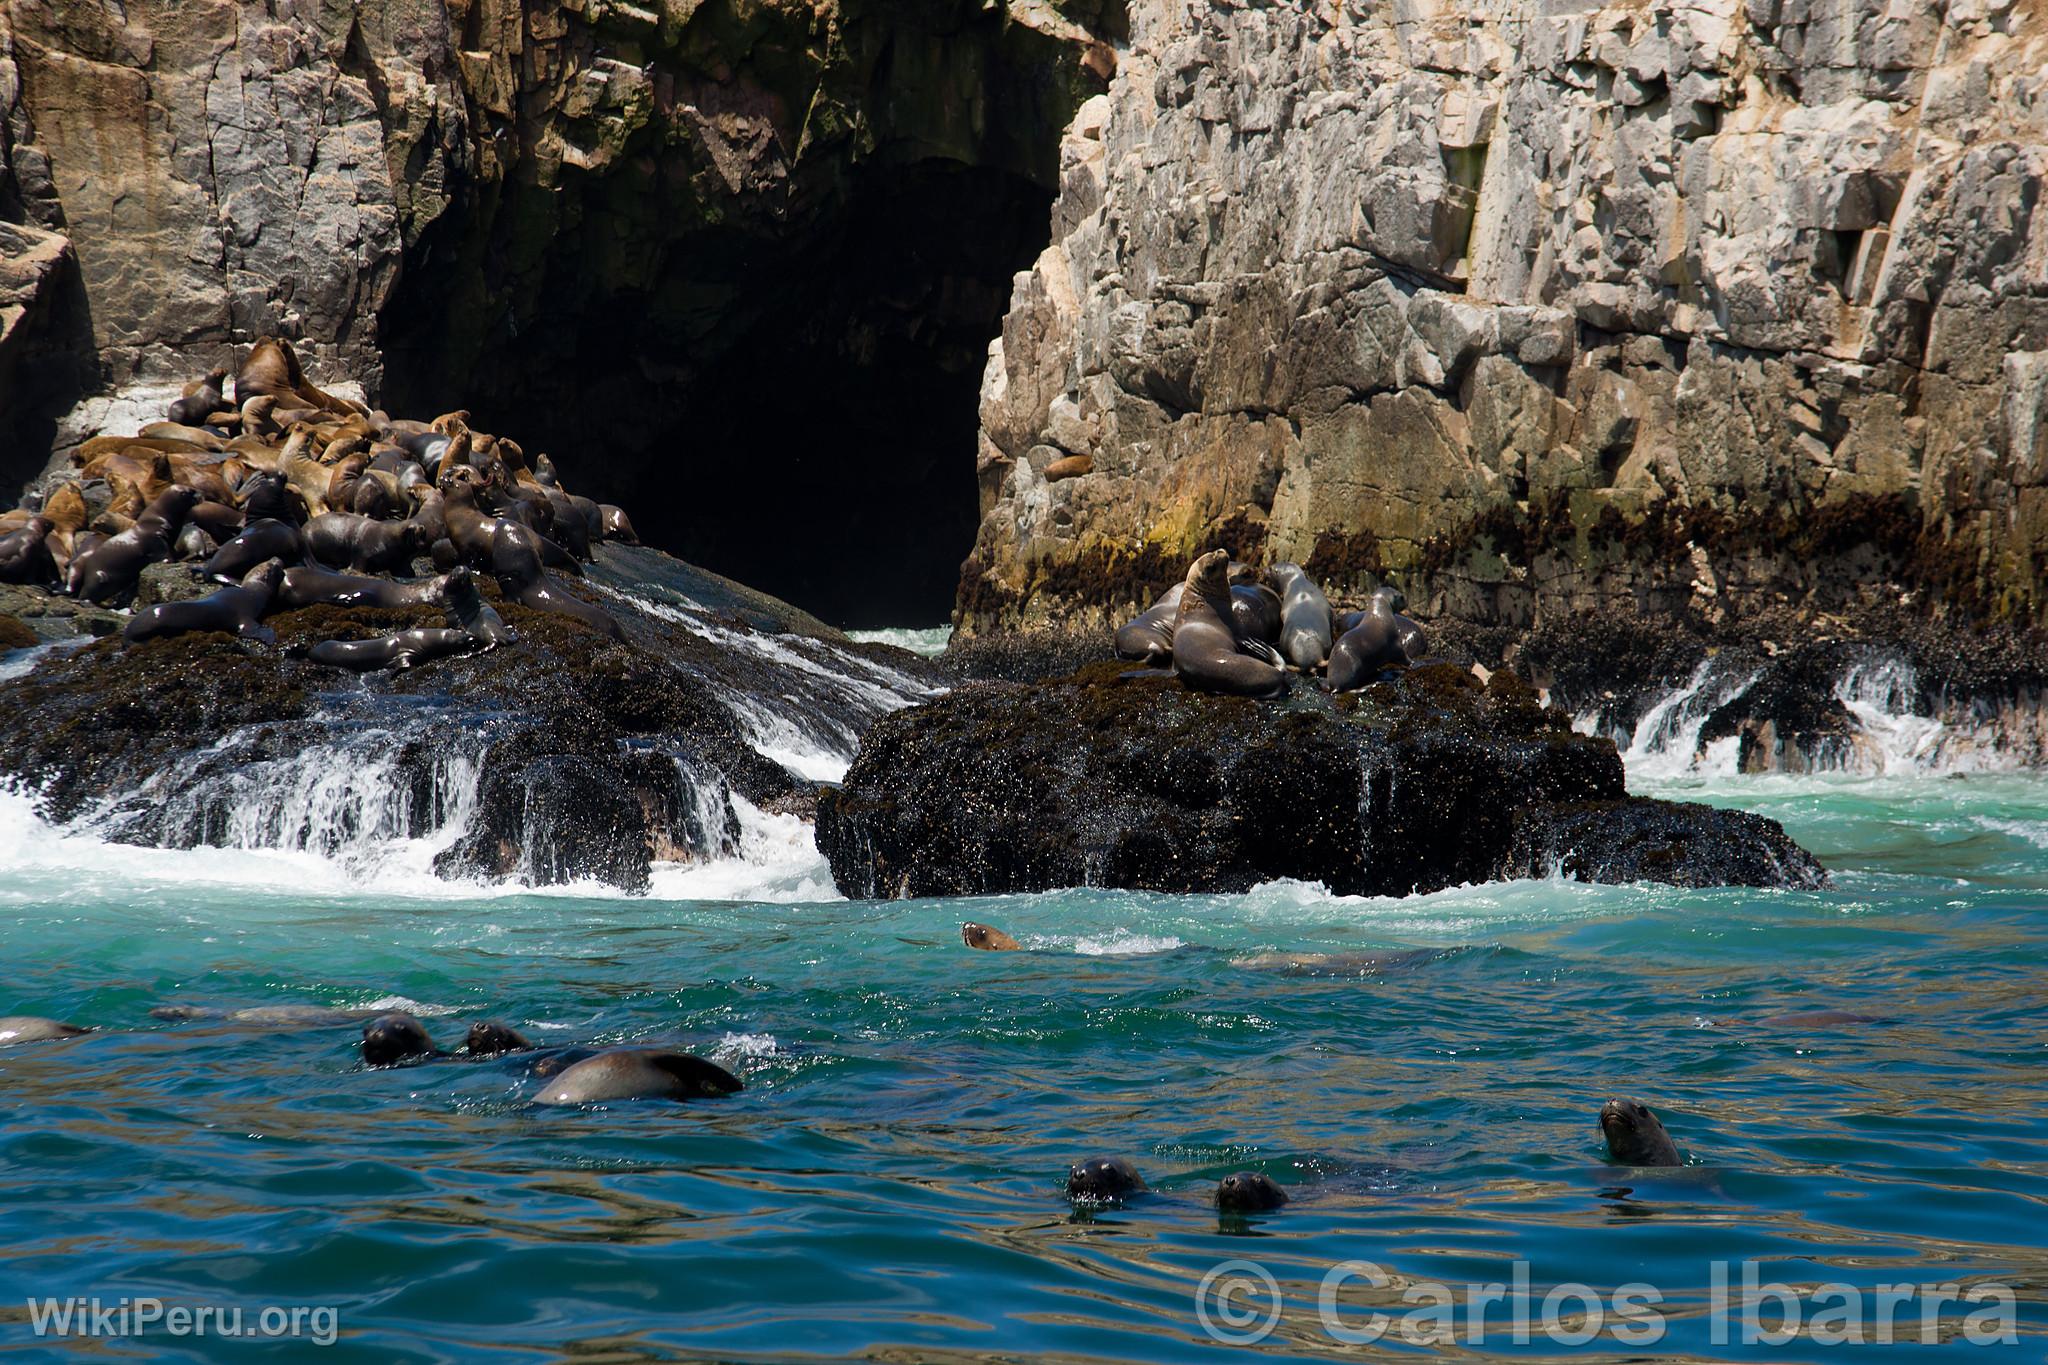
x=406 y=649
x=466 y=606
x=255 y=543
x=25 y=553
x=1209 y=652
x=1103 y=1178
x=1367 y=649
x=1249 y=1192
x=617 y=525
x=112 y=567
x=265 y=494
x=1258 y=610
x=395 y=1037
x=202 y=398
x=343 y=540
x=1306 y=633
x=1635 y=1136
x=1149 y=638
x=571 y=528
x=306 y=586
x=222 y=521
x=194 y=545
x=237 y=610
x=31 y=1028
x=638 y=1074
x=1407 y=629
x=489 y=1038
x=986 y=937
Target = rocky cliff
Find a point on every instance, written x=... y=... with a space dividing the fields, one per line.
x=1541 y=307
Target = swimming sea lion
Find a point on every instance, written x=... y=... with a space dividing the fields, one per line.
x=983 y=936
x=1635 y=1137
x=407 y=649
x=30 y=1028
x=1209 y=654
x=268 y=538
x=307 y=586
x=395 y=1037
x=25 y=553
x=237 y=610
x=1258 y=610
x=638 y=1074
x=1371 y=646
x=1149 y=638
x=113 y=566
x=343 y=540
x=1805 y=1019
x=489 y=1038
x=1305 y=627
x=1104 y=1178
x=269 y=1016
x=202 y=398
x=1249 y=1192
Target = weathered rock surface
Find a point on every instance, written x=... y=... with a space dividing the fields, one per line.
x=1409 y=786
x=1545 y=309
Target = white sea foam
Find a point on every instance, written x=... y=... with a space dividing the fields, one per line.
x=748 y=1046
x=1124 y=943
x=930 y=641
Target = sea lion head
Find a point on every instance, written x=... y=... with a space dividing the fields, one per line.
x=392 y=1038
x=1249 y=1192
x=1394 y=599
x=460 y=484
x=269 y=575
x=1635 y=1136
x=1103 y=1178
x=1209 y=577
x=983 y=936
x=489 y=1038
x=1283 y=574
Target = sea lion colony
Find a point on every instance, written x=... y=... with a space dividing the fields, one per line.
x=1225 y=628
x=290 y=497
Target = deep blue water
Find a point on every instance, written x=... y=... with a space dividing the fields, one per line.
x=890 y=1183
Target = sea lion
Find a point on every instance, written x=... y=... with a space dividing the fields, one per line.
x=1305 y=627
x=194 y=544
x=202 y=398
x=269 y=1016
x=617 y=525
x=1258 y=610
x=25 y=553
x=1803 y=1019
x=113 y=566
x=272 y=370
x=986 y=937
x=1371 y=646
x=237 y=610
x=396 y=1037
x=572 y=528
x=1635 y=1137
x=307 y=586
x=638 y=1074
x=1209 y=653
x=265 y=495
x=489 y=1038
x=407 y=649
x=343 y=540
x=467 y=608
x=1407 y=630
x=30 y=1028
x=1249 y=1192
x=256 y=542
x=1103 y=1179
x=544 y=595
x=222 y=521
x=1149 y=638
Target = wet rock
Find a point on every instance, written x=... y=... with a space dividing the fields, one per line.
x=170 y=582
x=1661 y=841
x=1411 y=785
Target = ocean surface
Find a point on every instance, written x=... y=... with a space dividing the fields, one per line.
x=891 y=1183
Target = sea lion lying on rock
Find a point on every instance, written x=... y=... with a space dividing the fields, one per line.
x=269 y=538
x=1367 y=649
x=406 y=649
x=237 y=610
x=1305 y=628
x=1210 y=652
x=112 y=567
x=343 y=540
x=1149 y=638
x=25 y=553
x=202 y=398
x=307 y=586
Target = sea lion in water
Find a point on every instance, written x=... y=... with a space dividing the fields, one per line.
x=31 y=1028
x=255 y=543
x=1103 y=1178
x=202 y=398
x=489 y=1038
x=1800 y=1019
x=406 y=649
x=1209 y=653
x=638 y=1074
x=343 y=540
x=237 y=610
x=269 y=1016
x=396 y=1037
x=1635 y=1137
x=1149 y=638
x=1249 y=1192
x=988 y=938
x=1371 y=646
x=25 y=552
x=112 y=567
x=1305 y=627
x=307 y=586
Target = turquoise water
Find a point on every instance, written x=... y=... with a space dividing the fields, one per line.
x=890 y=1183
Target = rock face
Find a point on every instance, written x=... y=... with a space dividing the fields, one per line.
x=1409 y=786
x=1546 y=309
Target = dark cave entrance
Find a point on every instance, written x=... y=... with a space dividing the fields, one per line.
x=794 y=409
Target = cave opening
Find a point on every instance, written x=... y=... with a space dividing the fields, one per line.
x=796 y=409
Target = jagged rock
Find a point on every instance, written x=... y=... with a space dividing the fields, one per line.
x=1661 y=841
x=1549 y=312
x=1106 y=780
x=170 y=582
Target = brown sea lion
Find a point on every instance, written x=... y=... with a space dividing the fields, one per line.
x=31 y=1028
x=393 y=1038
x=308 y=585
x=489 y=1038
x=987 y=937
x=254 y=543
x=1210 y=654
x=112 y=567
x=272 y=370
x=1363 y=652
x=638 y=1074
x=202 y=398
x=1259 y=611
x=222 y=521
x=617 y=525
x=1249 y=1192
x=237 y=610
x=406 y=649
x=1103 y=1179
x=1306 y=635
x=25 y=553
x=1635 y=1136
x=1149 y=638
x=342 y=540
x=467 y=608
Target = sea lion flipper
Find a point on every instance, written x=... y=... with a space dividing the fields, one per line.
x=1263 y=652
